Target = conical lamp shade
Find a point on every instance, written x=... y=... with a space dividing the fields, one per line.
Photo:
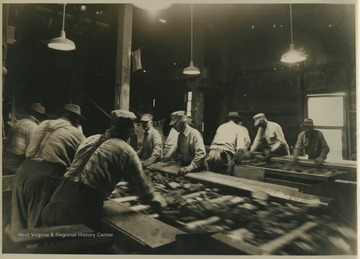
x=191 y=70
x=61 y=43
x=293 y=55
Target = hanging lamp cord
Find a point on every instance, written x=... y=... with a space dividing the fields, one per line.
x=63 y=21
x=192 y=24
x=291 y=26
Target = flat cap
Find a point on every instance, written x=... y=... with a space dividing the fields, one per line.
x=178 y=115
x=146 y=117
x=258 y=117
x=118 y=115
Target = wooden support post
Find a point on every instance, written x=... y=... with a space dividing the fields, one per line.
x=123 y=57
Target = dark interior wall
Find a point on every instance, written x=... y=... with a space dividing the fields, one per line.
x=275 y=93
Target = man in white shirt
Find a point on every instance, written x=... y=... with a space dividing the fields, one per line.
x=270 y=139
x=229 y=145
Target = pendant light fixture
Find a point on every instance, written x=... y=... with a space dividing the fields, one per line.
x=62 y=43
x=191 y=69
x=152 y=6
x=293 y=55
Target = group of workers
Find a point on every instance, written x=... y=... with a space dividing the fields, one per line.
x=62 y=178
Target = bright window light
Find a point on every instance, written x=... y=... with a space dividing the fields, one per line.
x=326 y=111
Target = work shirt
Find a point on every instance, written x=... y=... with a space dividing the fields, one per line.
x=171 y=142
x=272 y=134
x=191 y=147
x=231 y=137
x=55 y=141
x=112 y=161
x=20 y=135
x=152 y=145
x=312 y=144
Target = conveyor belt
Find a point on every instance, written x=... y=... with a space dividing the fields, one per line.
x=243 y=216
x=282 y=170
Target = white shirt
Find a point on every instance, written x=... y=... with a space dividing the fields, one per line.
x=231 y=137
x=272 y=134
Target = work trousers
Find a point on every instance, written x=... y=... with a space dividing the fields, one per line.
x=220 y=161
x=74 y=203
x=35 y=182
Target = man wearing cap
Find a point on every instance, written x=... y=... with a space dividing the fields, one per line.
x=190 y=144
x=49 y=154
x=152 y=146
x=269 y=139
x=19 y=138
x=170 y=144
x=311 y=142
x=229 y=145
x=101 y=161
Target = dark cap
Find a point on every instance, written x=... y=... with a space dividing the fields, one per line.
x=233 y=115
x=37 y=107
x=74 y=109
x=118 y=116
x=307 y=122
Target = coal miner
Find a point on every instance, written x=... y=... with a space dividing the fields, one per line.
x=49 y=154
x=311 y=142
x=101 y=162
x=190 y=144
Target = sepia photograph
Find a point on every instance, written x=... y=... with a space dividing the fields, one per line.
x=179 y=128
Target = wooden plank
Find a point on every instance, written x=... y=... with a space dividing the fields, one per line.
x=237 y=244
x=273 y=246
x=257 y=174
x=274 y=190
x=134 y=224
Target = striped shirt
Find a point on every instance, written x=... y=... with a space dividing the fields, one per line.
x=111 y=162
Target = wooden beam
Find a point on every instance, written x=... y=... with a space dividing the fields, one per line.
x=123 y=57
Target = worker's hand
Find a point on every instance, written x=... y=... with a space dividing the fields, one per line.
x=158 y=201
x=266 y=153
x=166 y=158
x=184 y=170
x=319 y=161
x=238 y=157
x=249 y=155
x=149 y=161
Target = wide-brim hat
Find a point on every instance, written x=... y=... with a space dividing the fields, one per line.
x=233 y=114
x=307 y=122
x=176 y=116
x=257 y=118
x=74 y=109
x=37 y=107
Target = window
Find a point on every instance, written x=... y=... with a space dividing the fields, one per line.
x=327 y=112
x=188 y=103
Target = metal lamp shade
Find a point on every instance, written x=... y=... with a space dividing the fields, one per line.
x=191 y=70
x=293 y=55
x=62 y=43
